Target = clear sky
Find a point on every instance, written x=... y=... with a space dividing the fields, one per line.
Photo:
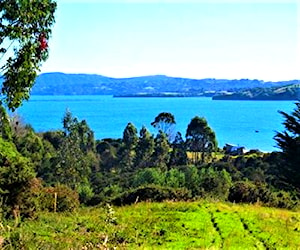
x=193 y=39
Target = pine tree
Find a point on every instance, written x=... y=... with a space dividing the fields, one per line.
x=289 y=142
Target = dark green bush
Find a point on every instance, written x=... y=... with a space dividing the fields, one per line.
x=283 y=199
x=215 y=183
x=248 y=192
x=148 y=176
x=152 y=193
x=85 y=193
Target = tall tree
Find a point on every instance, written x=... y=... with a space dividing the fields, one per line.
x=75 y=159
x=200 y=138
x=25 y=27
x=165 y=122
x=289 y=142
x=79 y=129
x=161 y=155
x=178 y=154
x=144 y=149
x=130 y=140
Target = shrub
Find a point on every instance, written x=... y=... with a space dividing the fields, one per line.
x=153 y=193
x=175 y=178
x=246 y=191
x=85 y=193
x=67 y=199
x=16 y=181
x=215 y=183
x=283 y=199
x=192 y=181
x=148 y=176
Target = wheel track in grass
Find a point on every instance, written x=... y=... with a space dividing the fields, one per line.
x=263 y=241
x=217 y=228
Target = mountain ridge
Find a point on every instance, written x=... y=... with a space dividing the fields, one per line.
x=58 y=83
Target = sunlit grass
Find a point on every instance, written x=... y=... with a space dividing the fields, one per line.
x=168 y=225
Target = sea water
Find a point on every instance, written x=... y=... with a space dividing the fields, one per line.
x=245 y=123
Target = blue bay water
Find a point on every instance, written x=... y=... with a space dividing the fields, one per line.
x=246 y=123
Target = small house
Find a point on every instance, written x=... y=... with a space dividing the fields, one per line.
x=234 y=150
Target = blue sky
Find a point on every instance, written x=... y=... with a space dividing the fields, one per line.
x=194 y=39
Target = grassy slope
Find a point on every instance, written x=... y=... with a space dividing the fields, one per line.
x=180 y=225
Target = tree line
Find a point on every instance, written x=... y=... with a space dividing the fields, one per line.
x=139 y=166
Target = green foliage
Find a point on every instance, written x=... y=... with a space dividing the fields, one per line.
x=192 y=180
x=144 y=149
x=200 y=138
x=108 y=155
x=30 y=145
x=5 y=128
x=168 y=225
x=128 y=153
x=161 y=155
x=215 y=183
x=289 y=142
x=85 y=192
x=246 y=191
x=111 y=191
x=54 y=137
x=178 y=155
x=175 y=178
x=16 y=173
x=153 y=193
x=67 y=199
x=75 y=154
x=130 y=137
x=24 y=25
x=283 y=199
x=148 y=176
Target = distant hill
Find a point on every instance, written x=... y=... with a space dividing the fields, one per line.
x=87 y=84
x=145 y=86
x=287 y=92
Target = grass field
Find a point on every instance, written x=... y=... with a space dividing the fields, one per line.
x=168 y=225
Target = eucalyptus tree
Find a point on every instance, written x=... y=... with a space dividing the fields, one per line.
x=200 y=138
x=165 y=122
x=25 y=27
x=76 y=157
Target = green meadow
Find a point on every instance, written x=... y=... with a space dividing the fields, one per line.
x=167 y=225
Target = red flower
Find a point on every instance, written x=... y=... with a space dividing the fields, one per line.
x=43 y=42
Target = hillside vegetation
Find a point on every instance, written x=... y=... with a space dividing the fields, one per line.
x=288 y=92
x=168 y=225
x=86 y=84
